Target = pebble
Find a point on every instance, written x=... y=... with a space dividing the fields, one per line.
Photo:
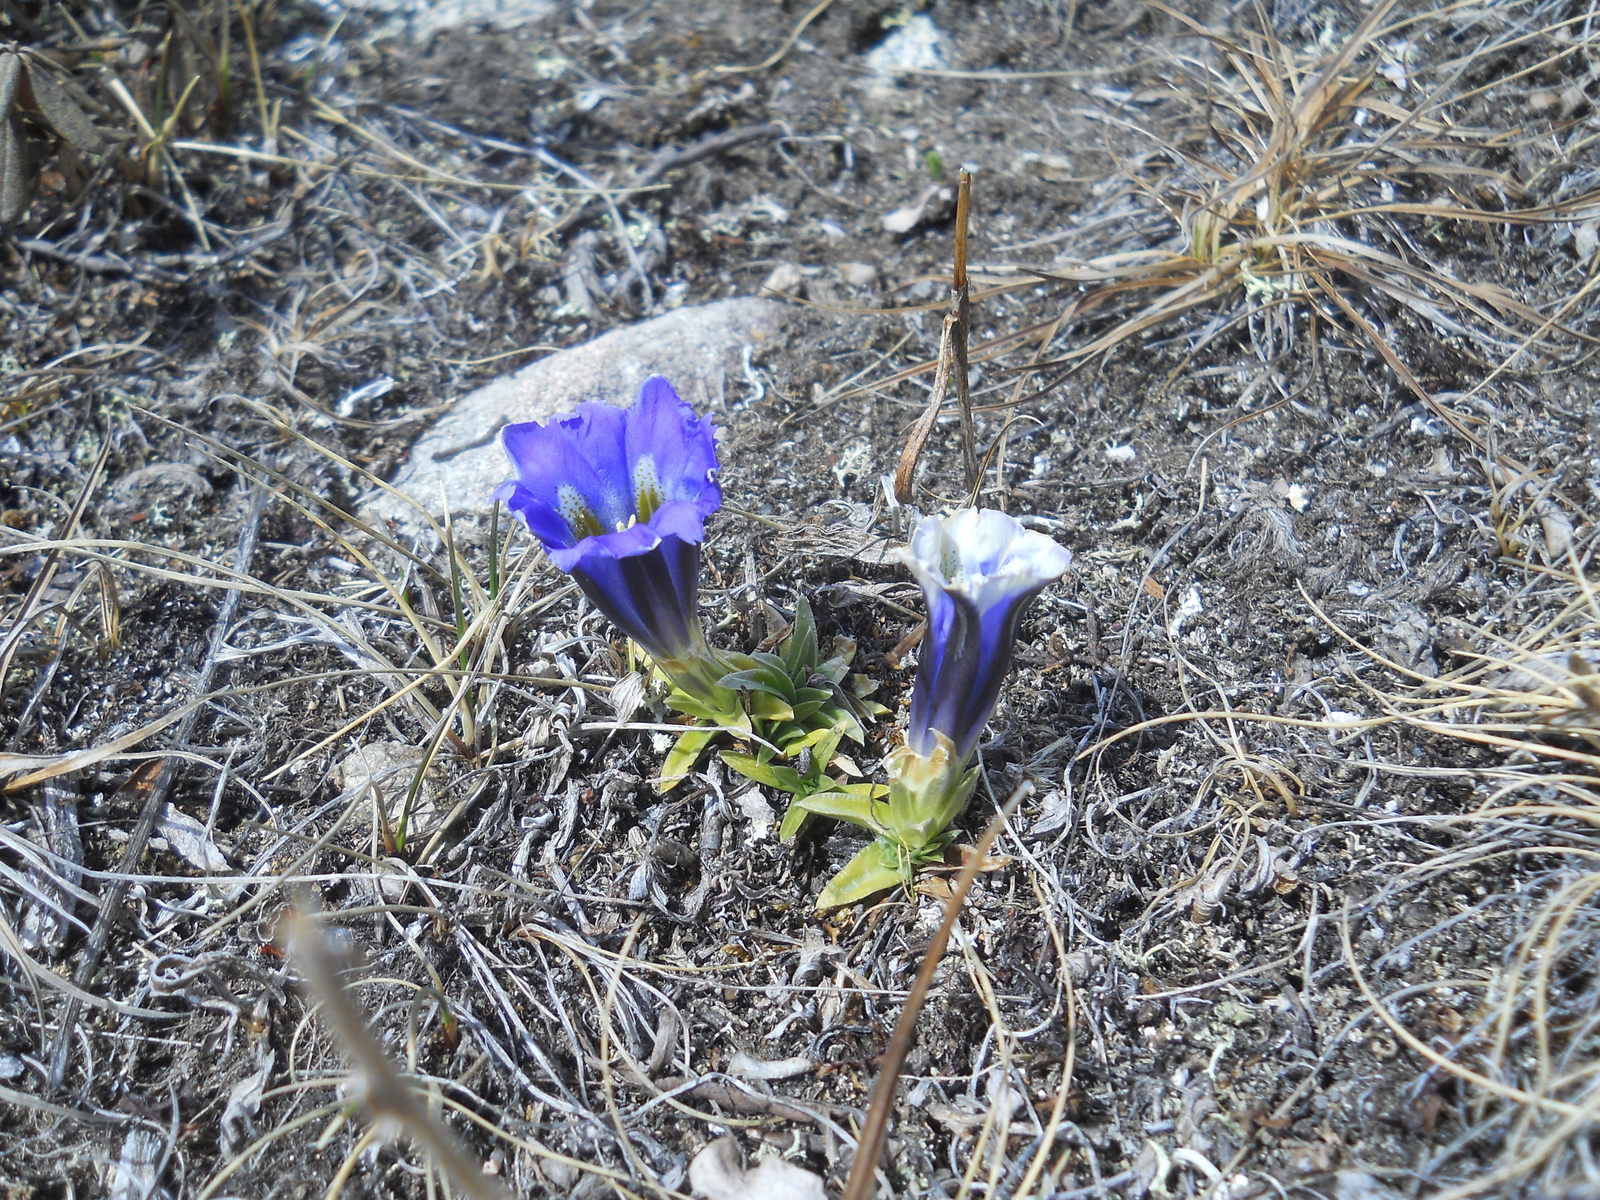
x=698 y=349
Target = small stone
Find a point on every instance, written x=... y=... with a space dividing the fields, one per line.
x=783 y=282
x=419 y=20
x=915 y=46
x=389 y=769
x=858 y=274
x=459 y=461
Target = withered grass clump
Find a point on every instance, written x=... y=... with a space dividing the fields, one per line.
x=1292 y=190
x=1524 y=1046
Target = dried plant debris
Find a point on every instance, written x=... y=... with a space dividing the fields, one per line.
x=38 y=100
x=1303 y=901
x=1283 y=189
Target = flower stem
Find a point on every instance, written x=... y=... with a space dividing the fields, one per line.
x=698 y=671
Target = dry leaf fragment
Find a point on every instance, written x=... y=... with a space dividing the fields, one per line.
x=55 y=102
x=904 y=220
x=717 y=1174
x=29 y=87
x=16 y=176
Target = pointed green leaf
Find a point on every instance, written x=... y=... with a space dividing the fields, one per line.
x=804 y=710
x=758 y=680
x=772 y=774
x=750 y=767
x=800 y=647
x=769 y=660
x=682 y=757
x=793 y=820
x=824 y=745
x=842 y=806
x=874 y=869
x=690 y=707
x=767 y=707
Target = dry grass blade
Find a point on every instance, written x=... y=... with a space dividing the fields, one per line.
x=388 y=1094
x=152 y=784
x=875 y=1130
x=1297 y=210
x=1531 y=1057
x=41 y=583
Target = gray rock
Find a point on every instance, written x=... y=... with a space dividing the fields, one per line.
x=421 y=19
x=460 y=460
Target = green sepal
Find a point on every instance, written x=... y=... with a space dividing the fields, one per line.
x=876 y=867
x=681 y=758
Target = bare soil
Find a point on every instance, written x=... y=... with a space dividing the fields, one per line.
x=1303 y=900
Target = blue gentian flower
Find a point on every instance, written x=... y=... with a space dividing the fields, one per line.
x=979 y=570
x=619 y=498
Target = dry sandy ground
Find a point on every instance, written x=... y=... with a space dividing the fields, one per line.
x=1283 y=323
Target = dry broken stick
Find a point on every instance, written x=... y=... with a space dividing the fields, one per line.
x=961 y=310
x=952 y=364
x=875 y=1130
x=387 y=1092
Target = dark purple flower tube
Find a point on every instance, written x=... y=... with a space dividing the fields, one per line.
x=979 y=570
x=619 y=498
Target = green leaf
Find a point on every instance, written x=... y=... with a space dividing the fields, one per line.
x=766 y=707
x=682 y=757
x=773 y=662
x=690 y=707
x=875 y=868
x=800 y=647
x=793 y=821
x=824 y=744
x=854 y=803
x=773 y=775
x=804 y=710
x=769 y=682
x=836 y=716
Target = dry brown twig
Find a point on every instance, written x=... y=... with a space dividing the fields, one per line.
x=388 y=1094
x=1293 y=220
x=952 y=365
x=875 y=1130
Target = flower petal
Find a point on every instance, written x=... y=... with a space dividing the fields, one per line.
x=554 y=473
x=671 y=452
x=979 y=570
x=544 y=522
x=619 y=499
x=649 y=595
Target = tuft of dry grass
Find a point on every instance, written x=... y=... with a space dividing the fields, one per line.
x=1520 y=1033
x=1297 y=193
